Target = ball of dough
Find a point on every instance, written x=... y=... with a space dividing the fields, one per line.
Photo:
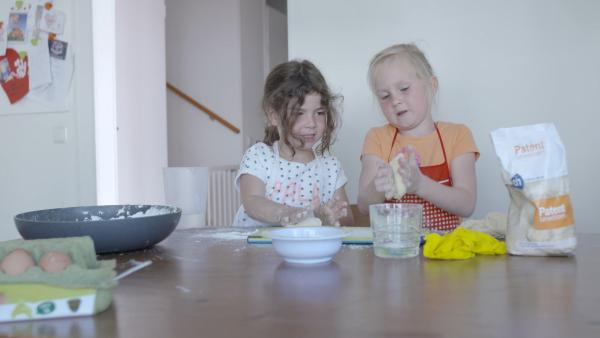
x=400 y=187
x=309 y=222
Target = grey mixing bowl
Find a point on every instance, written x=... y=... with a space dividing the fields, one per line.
x=113 y=228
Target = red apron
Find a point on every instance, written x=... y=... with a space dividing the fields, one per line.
x=434 y=218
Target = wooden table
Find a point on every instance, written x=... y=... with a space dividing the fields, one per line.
x=201 y=286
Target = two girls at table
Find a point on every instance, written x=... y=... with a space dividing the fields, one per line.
x=291 y=175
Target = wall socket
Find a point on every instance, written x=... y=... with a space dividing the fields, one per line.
x=59 y=134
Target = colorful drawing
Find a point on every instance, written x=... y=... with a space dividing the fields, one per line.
x=17 y=27
x=5 y=73
x=52 y=21
x=14 y=74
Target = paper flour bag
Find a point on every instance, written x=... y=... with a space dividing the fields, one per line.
x=534 y=169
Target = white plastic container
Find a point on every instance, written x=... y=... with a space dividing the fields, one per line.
x=187 y=188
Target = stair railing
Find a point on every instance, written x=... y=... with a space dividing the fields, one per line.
x=212 y=115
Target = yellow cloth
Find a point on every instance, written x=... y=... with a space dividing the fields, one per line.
x=462 y=244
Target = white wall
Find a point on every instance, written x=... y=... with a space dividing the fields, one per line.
x=500 y=64
x=105 y=104
x=204 y=60
x=141 y=100
x=35 y=172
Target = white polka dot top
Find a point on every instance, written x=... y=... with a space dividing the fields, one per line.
x=289 y=183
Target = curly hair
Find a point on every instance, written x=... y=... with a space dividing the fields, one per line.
x=286 y=87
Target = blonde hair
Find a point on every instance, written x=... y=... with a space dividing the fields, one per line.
x=286 y=87
x=411 y=53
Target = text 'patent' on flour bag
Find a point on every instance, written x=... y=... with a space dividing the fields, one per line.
x=534 y=169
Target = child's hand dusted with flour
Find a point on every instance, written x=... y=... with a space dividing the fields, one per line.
x=291 y=176
x=436 y=165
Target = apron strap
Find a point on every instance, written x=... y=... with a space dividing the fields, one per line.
x=443 y=152
x=392 y=146
x=441 y=142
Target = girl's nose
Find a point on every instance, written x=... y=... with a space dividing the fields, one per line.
x=310 y=120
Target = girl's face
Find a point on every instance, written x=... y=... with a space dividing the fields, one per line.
x=403 y=96
x=309 y=125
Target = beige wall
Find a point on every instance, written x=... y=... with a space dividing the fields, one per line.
x=204 y=60
x=277 y=37
x=499 y=63
x=218 y=52
x=141 y=101
x=253 y=42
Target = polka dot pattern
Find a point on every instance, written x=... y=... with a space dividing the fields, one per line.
x=290 y=183
x=434 y=218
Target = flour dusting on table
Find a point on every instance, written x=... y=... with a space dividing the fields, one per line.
x=225 y=234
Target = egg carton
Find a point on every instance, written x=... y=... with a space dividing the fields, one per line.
x=83 y=288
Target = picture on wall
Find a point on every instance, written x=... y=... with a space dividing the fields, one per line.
x=17 y=27
x=58 y=49
x=36 y=74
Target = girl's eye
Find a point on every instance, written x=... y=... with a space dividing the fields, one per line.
x=321 y=112
x=385 y=97
x=404 y=89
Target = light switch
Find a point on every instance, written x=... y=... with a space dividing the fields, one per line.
x=59 y=134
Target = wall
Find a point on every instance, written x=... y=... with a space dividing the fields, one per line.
x=253 y=56
x=105 y=105
x=141 y=100
x=500 y=64
x=204 y=60
x=37 y=173
x=218 y=52
x=277 y=37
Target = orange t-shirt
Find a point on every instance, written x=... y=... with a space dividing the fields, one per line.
x=457 y=139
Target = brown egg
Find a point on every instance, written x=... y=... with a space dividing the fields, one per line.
x=54 y=261
x=17 y=262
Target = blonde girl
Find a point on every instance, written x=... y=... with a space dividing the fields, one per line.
x=436 y=160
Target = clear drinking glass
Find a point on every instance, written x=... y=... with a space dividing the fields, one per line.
x=397 y=229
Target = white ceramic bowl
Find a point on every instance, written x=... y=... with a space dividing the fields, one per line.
x=307 y=245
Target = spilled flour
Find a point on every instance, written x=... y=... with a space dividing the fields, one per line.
x=358 y=246
x=225 y=234
x=127 y=211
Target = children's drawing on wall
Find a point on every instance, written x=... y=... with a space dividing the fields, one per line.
x=38 y=70
x=35 y=32
x=17 y=27
x=39 y=57
x=61 y=68
x=52 y=21
x=2 y=38
x=4 y=12
x=14 y=76
x=5 y=73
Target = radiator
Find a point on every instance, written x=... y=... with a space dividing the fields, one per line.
x=223 y=198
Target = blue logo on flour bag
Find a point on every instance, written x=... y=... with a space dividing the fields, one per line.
x=517 y=181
